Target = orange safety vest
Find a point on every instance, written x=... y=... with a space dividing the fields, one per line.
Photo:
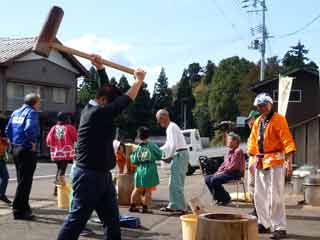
x=278 y=141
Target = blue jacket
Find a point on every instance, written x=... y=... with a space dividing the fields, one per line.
x=23 y=127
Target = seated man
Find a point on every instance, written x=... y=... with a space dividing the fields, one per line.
x=231 y=169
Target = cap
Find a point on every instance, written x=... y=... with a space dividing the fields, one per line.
x=262 y=99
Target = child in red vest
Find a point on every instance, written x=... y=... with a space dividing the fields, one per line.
x=61 y=140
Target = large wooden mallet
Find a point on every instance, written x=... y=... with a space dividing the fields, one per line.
x=47 y=41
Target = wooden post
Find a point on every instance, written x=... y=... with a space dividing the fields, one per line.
x=125 y=188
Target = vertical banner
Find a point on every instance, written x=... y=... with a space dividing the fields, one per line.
x=285 y=84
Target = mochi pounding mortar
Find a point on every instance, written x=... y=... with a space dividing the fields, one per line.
x=47 y=41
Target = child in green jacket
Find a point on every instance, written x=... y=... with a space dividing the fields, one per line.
x=146 y=177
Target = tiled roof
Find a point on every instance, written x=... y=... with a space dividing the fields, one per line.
x=13 y=47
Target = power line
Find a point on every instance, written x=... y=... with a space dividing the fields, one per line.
x=223 y=13
x=269 y=48
x=300 y=29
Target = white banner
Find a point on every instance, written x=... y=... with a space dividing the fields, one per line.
x=285 y=84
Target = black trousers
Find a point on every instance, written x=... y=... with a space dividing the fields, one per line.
x=215 y=185
x=92 y=191
x=25 y=162
x=61 y=169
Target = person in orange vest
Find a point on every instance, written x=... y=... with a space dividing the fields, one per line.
x=272 y=144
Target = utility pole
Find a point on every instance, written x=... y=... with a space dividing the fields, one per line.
x=260 y=42
x=264 y=38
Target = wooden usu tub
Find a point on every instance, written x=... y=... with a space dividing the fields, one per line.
x=227 y=227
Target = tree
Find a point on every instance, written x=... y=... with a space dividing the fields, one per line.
x=89 y=86
x=295 y=57
x=201 y=95
x=162 y=97
x=246 y=97
x=139 y=114
x=124 y=84
x=224 y=94
x=273 y=67
x=194 y=71
x=113 y=81
x=313 y=66
x=122 y=121
x=185 y=101
x=209 y=71
x=201 y=110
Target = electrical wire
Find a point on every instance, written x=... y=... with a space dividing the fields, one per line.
x=223 y=13
x=300 y=29
x=269 y=48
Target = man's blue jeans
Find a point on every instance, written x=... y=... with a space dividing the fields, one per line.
x=215 y=184
x=92 y=190
x=4 y=177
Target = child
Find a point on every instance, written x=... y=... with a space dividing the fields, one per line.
x=146 y=177
x=4 y=175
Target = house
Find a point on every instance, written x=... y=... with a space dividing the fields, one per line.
x=303 y=113
x=53 y=78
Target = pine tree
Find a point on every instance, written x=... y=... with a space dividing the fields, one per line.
x=201 y=95
x=88 y=87
x=113 y=81
x=184 y=102
x=194 y=71
x=124 y=84
x=209 y=72
x=162 y=97
x=140 y=114
x=295 y=57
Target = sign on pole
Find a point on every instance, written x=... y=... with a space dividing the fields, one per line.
x=285 y=84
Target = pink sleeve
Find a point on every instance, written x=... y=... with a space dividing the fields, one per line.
x=74 y=133
x=221 y=168
x=50 y=136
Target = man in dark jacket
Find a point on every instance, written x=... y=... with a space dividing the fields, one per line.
x=92 y=180
x=23 y=132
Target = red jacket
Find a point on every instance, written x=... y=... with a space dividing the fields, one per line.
x=61 y=140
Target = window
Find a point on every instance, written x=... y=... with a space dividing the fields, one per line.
x=59 y=95
x=16 y=93
x=295 y=96
x=187 y=136
x=31 y=89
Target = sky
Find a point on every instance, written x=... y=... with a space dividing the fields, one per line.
x=166 y=33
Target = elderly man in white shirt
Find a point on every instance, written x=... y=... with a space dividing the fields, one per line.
x=176 y=151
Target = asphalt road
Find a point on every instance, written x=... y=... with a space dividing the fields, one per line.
x=43 y=170
x=303 y=223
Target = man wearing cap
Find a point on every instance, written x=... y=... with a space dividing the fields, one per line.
x=253 y=115
x=272 y=145
x=231 y=169
x=176 y=151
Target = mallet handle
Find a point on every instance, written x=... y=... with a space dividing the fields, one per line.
x=78 y=53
